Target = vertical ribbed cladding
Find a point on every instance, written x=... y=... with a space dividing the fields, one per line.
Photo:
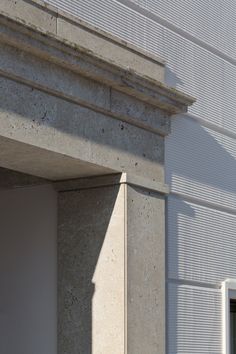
x=201 y=242
x=115 y=18
x=186 y=16
x=201 y=163
x=206 y=76
x=194 y=320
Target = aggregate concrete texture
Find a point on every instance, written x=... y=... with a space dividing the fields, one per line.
x=78 y=133
x=111 y=283
x=89 y=113
x=91 y=309
x=78 y=100
x=51 y=20
x=145 y=225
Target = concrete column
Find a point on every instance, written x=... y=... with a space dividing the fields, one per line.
x=111 y=271
x=145 y=247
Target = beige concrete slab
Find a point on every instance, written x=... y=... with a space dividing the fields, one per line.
x=43 y=163
x=145 y=235
x=71 y=29
x=111 y=275
x=116 y=53
x=30 y=13
x=91 y=271
x=74 y=132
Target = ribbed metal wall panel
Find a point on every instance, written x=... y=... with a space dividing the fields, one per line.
x=117 y=19
x=194 y=316
x=201 y=242
x=208 y=21
x=204 y=75
x=201 y=163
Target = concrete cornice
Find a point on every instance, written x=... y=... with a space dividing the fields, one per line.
x=37 y=18
x=99 y=32
x=57 y=37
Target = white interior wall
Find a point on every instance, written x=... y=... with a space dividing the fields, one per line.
x=28 y=321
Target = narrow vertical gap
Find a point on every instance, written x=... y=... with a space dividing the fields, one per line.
x=232 y=326
x=125 y=268
x=166 y=274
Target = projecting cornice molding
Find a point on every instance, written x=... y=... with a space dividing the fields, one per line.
x=77 y=102
x=56 y=37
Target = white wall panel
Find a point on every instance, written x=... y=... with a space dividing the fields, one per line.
x=201 y=163
x=194 y=320
x=117 y=19
x=208 y=21
x=202 y=74
x=201 y=242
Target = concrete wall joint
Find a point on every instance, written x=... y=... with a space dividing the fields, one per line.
x=109 y=180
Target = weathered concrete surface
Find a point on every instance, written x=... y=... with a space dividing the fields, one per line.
x=78 y=105
x=111 y=275
x=70 y=131
x=145 y=225
x=117 y=54
x=36 y=161
x=70 y=29
x=64 y=83
x=75 y=102
x=30 y=12
x=91 y=271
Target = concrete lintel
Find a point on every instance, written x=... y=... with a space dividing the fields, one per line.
x=58 y=81
x=71 y=38
x=112 y=179
x=49 y=165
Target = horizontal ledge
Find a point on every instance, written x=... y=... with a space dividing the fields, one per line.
x=98 y=31
x=109 y=180
x=48 y=19
x=162 y=129
x=125 y=71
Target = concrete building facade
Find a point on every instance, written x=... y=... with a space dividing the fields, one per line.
x=83 y=121
x=118 y=206
x=197 y=40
